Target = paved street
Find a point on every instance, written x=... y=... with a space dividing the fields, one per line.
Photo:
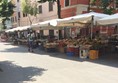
x=20 y=66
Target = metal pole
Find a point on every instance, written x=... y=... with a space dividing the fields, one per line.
x=59 y=9
x=92 y=20
x=117 y=29
x=18 y=21
x=89 y=5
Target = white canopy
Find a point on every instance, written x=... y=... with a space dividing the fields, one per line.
x=82 y=19
x=24 y=28
x=79 y=20
x=49 y=24
x=112 y=19
x=12 y=30
x=18 y=29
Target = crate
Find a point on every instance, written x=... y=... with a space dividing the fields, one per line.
x=84 y=53
x=61 y=49
x=76 y=51
x=70 y=49
x=93 y=54
x=70 y=54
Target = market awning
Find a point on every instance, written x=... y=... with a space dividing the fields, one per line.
x=24 y=28
x=81 y=19
x=18 y=29
x=49 y=24
x=112 y=19
x=13 y=29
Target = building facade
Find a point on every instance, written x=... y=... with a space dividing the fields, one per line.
x=104 y=6
x=46 y=11
x=99 y=5
x=73 y=7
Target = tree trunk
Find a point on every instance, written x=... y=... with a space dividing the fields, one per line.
x=30 y=20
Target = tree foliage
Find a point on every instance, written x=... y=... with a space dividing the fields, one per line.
x=6 y=10
x=29 y=8
x=105 y=5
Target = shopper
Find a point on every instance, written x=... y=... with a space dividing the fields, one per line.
x=30 y=39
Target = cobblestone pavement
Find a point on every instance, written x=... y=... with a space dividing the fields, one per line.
x=20 y=66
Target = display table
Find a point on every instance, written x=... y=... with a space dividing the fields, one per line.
x=49 y=46
x=22 y=41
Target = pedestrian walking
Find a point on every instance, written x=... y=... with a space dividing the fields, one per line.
x=30 y=41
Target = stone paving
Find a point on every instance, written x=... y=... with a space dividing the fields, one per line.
x=20 y=66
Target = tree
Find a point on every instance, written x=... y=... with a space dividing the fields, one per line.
x=58 y=5
x=105 y=5
x=6 y=10
x=30 y=8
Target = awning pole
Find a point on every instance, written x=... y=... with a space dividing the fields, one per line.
x=92 y=20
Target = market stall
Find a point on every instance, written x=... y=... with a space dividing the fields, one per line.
x=82 y=20
x=112 y=40
x=50 y=46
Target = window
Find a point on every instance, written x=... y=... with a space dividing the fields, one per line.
x=24 y=15
x=40 y=9
x=18 y=14
x=116 y=3
x=15 y=19
x=50 y=6
x=11 y=19
x=41 y=33
x=51 y=32
x=67 y=3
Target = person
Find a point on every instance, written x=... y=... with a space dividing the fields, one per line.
x=30 y=39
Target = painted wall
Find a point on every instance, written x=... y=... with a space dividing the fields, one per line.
x=46 y=15
x=68 y=12
x=76 y=7
x=74 y=2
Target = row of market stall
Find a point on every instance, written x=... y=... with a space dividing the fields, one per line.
x=88 y=46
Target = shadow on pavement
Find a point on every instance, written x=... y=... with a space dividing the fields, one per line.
x=108 y=60
x=12 y=73
x=17 y=49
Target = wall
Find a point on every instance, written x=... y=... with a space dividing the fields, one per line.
x=76 y=7
x=68 y=12
x=46 y=15
x=74 y=2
